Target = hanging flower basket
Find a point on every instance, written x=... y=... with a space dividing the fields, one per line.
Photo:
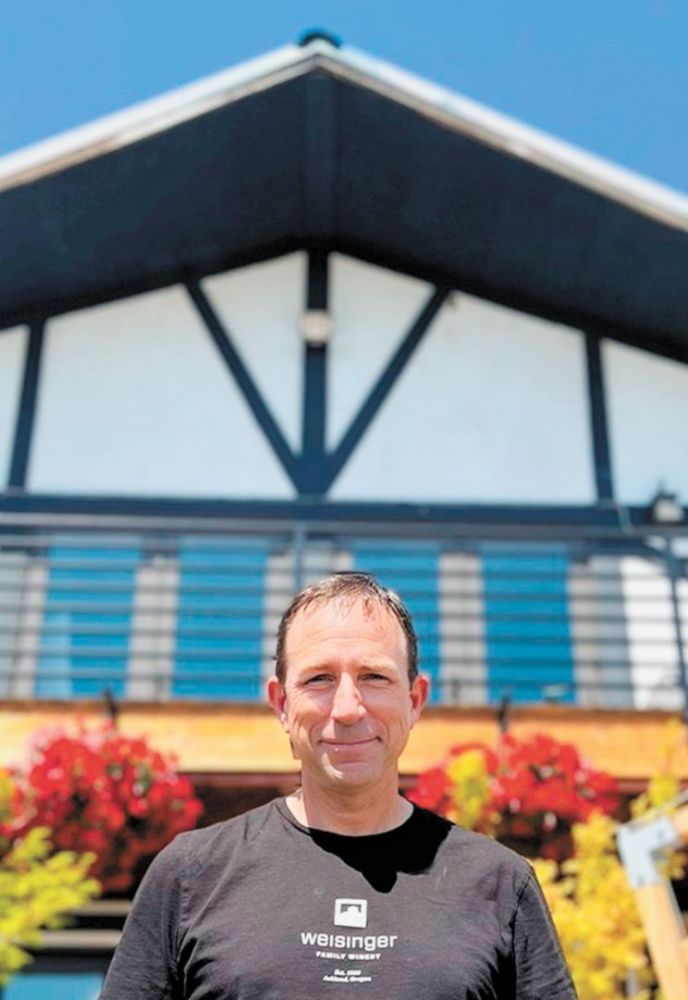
x=103 y=792
x=528 y=792
x=38 y=887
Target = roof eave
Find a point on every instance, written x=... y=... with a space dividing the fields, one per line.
x=437 y=103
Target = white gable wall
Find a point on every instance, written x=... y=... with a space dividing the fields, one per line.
x=647 y=400
x=372 y=309
x=491 y=408
x=261 y=308
x=135 y=399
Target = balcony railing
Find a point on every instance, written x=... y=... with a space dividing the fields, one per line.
x=160 y=610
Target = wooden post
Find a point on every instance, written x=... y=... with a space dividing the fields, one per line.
x=643 y=844
x=666 y=938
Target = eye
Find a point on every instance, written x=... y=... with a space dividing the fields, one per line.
x=317 y=679
x=373 y=675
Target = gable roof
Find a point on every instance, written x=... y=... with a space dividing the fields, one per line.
x=322 y=146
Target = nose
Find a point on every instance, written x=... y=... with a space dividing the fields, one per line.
x=347 y=706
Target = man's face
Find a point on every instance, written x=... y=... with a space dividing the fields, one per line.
x=346 y=702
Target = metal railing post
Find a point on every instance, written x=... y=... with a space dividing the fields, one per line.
x=674 y=570
x=299 y=553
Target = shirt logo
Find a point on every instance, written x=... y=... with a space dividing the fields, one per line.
x=351 y=912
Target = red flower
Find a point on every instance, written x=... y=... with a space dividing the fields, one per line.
x=539 y=787
x=431 y=790
x=100 y=791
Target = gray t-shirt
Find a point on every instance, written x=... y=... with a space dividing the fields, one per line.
x=262 y=907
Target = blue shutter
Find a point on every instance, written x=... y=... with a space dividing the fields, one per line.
x=88 y=588
x=527 y=628
x=220 y=619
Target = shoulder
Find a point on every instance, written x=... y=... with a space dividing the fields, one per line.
x=200 y=849
x=486 y=850
x=475 y=857
x=222 y=839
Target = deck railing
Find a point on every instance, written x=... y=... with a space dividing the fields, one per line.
x=158 y=609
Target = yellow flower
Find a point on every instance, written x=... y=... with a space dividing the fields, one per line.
x=470 y=792
x=37 y=887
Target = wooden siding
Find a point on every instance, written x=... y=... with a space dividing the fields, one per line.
x=227 y=739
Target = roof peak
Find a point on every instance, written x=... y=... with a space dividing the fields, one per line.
x=319 y=35
x=320 y=49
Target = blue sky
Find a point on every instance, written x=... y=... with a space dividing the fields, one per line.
x=608 y=75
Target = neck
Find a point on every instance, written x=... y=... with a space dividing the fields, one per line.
x=355 y=812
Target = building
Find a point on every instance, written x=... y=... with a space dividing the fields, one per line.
x=310 y=314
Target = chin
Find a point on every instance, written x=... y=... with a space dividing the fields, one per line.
x=354 y=774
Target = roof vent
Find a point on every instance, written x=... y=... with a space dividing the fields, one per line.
x=319 y=35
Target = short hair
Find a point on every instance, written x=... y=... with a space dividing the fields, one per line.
x=349 y=588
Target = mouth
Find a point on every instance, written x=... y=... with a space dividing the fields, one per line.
x=349 y=744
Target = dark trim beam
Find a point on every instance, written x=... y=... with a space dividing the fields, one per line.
x=26 y=413
x=245 y=383
x=320 y=157
x=598 y=419
x=317 y=280
x=384 y=385
x=555 y=521
x=313 y=463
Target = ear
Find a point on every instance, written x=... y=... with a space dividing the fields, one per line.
x=420 y=689
x=277 y=697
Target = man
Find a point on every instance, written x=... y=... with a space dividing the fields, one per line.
x=343 y=888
